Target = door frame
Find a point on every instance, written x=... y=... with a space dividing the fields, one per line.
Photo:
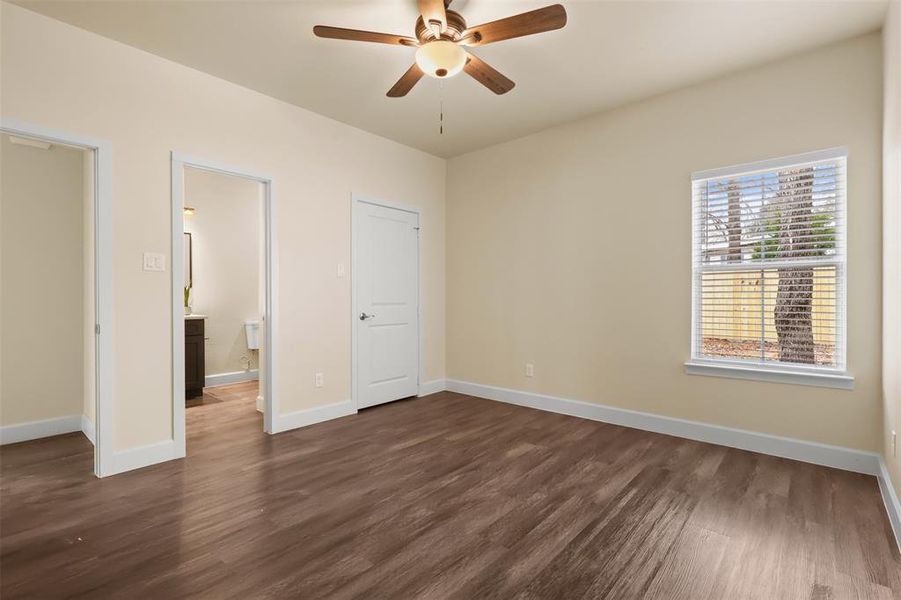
x=269 y=317
x=103 y=279
x=356 y=201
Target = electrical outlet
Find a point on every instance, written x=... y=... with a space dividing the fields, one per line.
x=894 y=444
x=320 y=380
x=530 y=370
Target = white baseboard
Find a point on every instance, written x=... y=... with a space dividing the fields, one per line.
x=892 y=505
x=227 y=378
x=142 y=456
x=87 y=428
x=33 y=430
x=311 y=416
x=432 y=387
x=837 y=457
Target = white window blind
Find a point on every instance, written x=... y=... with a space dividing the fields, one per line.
x=769 y=263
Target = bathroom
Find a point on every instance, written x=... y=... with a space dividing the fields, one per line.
x=222 y=295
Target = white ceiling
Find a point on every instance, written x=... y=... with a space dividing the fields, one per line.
x=609 y=53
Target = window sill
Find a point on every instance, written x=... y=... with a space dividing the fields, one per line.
x=836 y=380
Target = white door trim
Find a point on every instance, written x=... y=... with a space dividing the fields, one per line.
x=103 y=279
x=355 y=201
x=270 y=286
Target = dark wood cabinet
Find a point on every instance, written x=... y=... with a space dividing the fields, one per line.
x=195 y=371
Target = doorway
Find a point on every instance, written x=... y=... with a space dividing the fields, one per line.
x=223 y=290
x=386 y=302
x=56 y=279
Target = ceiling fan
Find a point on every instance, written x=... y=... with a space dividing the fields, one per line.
x=441 y=36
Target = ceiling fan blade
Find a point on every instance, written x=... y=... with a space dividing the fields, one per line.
x=487 y=75
x=432 y=12
x=406 y=82
x=536 y=21
x=356 y=35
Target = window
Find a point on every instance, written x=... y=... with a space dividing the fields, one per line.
x=769 y=269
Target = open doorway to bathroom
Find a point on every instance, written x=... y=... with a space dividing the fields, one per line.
x=55 y=305
x=222 y=302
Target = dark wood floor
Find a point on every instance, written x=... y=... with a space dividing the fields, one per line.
x=441 y=497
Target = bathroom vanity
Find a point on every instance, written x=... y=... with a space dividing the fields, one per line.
x=195 y=371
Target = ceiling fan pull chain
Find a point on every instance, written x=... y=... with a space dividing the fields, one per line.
x=441 y=108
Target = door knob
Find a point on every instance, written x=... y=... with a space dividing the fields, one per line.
x=365 y=317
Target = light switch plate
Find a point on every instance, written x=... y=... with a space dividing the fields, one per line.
x=340 y=270
x=154 y=261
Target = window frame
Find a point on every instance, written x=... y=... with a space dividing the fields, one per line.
x=816 y=375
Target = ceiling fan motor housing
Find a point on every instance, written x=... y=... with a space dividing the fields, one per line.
x=456 y=25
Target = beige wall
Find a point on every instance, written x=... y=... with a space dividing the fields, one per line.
x=41 y=237
x=226 y=248
x=891 y=360
x=570 y=248
x=65 y=78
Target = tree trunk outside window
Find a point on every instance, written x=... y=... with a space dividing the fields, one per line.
x=733 y=224
x=793 y=313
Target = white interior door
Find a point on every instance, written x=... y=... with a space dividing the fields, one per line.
x=386 y=280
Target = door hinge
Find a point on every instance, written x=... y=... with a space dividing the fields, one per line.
x=416 y=228
x=97 y=328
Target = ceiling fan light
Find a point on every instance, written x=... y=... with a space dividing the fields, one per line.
x=441 y=59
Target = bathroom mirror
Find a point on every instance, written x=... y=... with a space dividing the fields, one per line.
x=188 y=270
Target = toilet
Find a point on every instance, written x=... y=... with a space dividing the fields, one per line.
x=252 y=332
